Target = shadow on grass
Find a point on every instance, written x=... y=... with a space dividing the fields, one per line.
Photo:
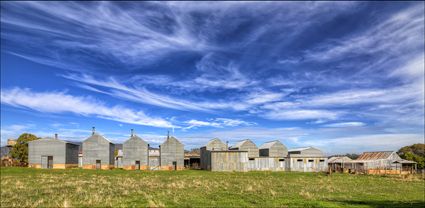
x=377 y=204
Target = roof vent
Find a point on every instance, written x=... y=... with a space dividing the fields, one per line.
x=93 y=130
x=132 y=132
x=56 y=136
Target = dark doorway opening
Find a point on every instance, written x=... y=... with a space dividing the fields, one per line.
x=98 y=164
x=137 y=165
x=175 y=165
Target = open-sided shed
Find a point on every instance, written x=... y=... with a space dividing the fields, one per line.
x=52 y=153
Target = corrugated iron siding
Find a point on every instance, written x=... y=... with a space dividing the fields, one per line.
x=63 y=153
x=135 y=149
x=229 y=161
x=96 y=147
x=267 y=164
x=172 y=150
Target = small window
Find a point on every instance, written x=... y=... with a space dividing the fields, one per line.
x=310 y=160
x=322 y=160
x=300 y=160
x=251 y=159
x=281 y=160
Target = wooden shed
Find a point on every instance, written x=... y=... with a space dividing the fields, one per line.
x=246 y=145
x=171 y=154
x=307 y=159
x=135 y=153
x=52 y=153
x=98 y=152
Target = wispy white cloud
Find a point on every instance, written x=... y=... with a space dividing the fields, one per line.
x=217 y=123
x=345 y=124
x=60 y=102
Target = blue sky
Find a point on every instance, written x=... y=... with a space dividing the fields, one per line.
x=341 y=76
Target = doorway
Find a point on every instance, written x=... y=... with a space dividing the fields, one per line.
x=98 y=164
x=46 y=162
x=137 y=165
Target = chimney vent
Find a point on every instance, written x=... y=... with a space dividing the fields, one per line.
x=132 y=132
x=56 y=136
x=93 y=130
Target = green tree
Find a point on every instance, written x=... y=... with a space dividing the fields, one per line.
x=20 y=150
x=415 y=152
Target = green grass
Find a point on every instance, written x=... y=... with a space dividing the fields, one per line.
x=26 y=187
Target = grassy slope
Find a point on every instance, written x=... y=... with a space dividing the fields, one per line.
x=31 y=187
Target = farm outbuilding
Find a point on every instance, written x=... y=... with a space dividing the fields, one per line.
x=383 y=162
x=307 y=159
x=214 y=144
x=216 y=157
x=246 y=145
x=135 y=153
x=52 y=153
x=171 y=154
x=340 y=164
x=273 y=149
x=98 y=152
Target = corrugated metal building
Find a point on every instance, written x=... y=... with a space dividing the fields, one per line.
x=383 y=162
x=135 y=153
x=52 y=153
x=98 y=152
x=272 y=157
x=216 y=157
x=273 y=149
x=246 y=145
x=171 y=154
x=307 y=159
x=214 y=144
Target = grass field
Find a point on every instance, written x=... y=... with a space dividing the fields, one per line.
x=25 y=187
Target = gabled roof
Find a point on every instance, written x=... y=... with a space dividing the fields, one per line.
x=268 y=145
x=299 y=149
x=213 y=140
x=339 y=159
x=101 y=136
x=172 y=138
x=375 y=155
x=240 y=143
x=53 y=139
x=135 y=137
